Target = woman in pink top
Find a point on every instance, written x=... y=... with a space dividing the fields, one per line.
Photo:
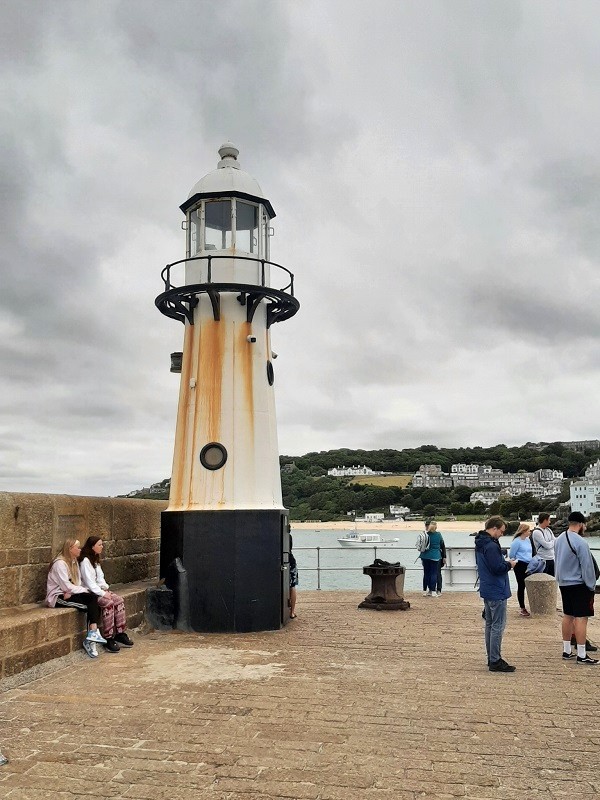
x=64 y=589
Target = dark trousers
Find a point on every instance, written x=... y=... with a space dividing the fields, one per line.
x=439 y=577
x=520 y=568
x=549 y=568
x=430 y=573
x=91 y=602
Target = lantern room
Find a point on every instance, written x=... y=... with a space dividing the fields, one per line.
x=227 y=212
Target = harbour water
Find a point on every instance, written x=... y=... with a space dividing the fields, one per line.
x=341 y=567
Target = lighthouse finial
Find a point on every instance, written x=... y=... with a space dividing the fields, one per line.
x=229 y=153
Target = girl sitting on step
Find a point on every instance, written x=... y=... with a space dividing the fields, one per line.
x=112 y=606
x=64 y=589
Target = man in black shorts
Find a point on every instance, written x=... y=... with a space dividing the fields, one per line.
x=577 y=580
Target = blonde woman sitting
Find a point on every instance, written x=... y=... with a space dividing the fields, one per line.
x=64 y=590
x=112 y=606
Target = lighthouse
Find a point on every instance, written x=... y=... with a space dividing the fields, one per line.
x=225 y=521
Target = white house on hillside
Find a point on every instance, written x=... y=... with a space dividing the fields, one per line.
x=347 y=472
x=585 y=496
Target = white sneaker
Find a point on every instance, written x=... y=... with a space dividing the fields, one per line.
x=434 y=594
x=90 y=648
x=95 y=636
x=428 y=594
x=425 y=593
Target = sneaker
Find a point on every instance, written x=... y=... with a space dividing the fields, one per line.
x=90 y=648
x=524 y=613
x=95 y=636
x=425 y=593
x=501 y=666
x=568 y=655
x=111 y=646
x=586 y=660
x=124 y=640
x=3 y=760
x=62 y=603
x=434 y=594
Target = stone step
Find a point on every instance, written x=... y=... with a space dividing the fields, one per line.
x=33 y=634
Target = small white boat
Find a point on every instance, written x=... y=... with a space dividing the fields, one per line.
x=356 y=539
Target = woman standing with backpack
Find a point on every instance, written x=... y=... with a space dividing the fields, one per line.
x=431 y=558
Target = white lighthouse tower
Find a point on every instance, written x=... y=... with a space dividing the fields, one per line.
x=225 y=520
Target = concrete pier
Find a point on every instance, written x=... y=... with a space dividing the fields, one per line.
x=340 y=704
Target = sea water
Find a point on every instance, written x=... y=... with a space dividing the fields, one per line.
x=341 y=567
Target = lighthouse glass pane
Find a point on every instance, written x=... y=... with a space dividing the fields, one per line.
x=194 y=232
x=246 y=227
x=217 y=224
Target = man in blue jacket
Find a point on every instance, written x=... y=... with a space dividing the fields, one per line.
x=494 y=588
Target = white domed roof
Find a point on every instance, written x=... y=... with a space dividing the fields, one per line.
x=227 y=178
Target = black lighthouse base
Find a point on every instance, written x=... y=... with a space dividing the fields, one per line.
x=236 y=567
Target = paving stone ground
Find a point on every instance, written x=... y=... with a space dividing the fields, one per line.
x=343 y=704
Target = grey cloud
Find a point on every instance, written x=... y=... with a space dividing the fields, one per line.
x=434 y=176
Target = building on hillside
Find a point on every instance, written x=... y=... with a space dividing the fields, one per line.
x=348 y=472
x=399 y=511
x=478 y=476
x=542 y=483
x=469 y=469
x=374 y=517
x=543 y=475
x=593 y=471
x=431 y=476
x=487 y=497
x=585 y=496
x=582 y=446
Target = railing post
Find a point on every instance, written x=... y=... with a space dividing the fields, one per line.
x=318 y=568
x=262 y=271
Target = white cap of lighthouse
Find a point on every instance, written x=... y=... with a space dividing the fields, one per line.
x=226 y=454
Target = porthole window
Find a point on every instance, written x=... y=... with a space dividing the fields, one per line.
x=270 y=373
x=213 y=455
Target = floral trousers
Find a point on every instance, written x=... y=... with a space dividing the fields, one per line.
x=112 y=610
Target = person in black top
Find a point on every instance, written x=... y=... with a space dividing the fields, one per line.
x=441 y=563
x=293 y=583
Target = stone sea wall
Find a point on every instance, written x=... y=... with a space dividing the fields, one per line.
x=33 y=527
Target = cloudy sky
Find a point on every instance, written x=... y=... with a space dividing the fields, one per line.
x=435 y=170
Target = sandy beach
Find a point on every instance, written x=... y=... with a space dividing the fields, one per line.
x=389 y=525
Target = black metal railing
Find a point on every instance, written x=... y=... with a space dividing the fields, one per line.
x=179 y=302
x=288 y=288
